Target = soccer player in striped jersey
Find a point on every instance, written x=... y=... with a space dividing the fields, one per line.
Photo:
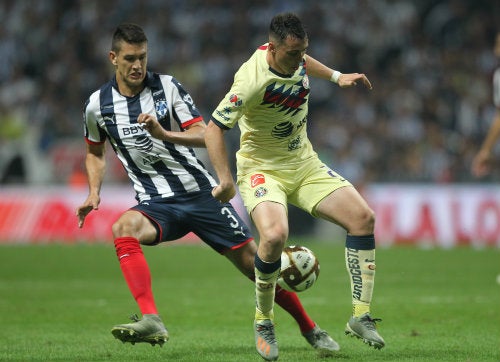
x=276 y=165
x=152 y=124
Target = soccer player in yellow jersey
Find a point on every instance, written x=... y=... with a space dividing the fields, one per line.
x=276 y=165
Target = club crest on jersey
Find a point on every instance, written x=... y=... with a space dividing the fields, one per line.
x=257 y=179
x=260 y=192
x=233 y=98
x=161 y=108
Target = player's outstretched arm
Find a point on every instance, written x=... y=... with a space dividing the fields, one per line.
x=317 y=69
x=216 y=148
x=95 y=163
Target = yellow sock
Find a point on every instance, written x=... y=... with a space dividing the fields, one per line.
x=261 y=316
x=361 y=267
x=265 y=285
x=360 y=309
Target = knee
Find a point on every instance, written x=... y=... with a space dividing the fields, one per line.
x=276 y=235
x=365 y=223
x=125 y=226
x=274 y=239
x=368 y=219
x=118 y=229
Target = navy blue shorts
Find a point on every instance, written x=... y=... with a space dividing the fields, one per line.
x=217 y=224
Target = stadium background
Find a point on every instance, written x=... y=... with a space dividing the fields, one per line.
x=407 y=144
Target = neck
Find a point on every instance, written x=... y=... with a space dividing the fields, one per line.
x=272 y=63
x=128 y=90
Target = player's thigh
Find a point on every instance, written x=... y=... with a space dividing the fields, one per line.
x=346 y=207
x=218 y=224
x=258 y=187
x=135 y=224
x=316 y=182
x=271 y=220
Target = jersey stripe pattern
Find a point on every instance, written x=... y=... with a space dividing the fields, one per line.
x=157 y=169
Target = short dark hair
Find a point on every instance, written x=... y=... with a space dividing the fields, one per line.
x=286 y=24
x=129 y=33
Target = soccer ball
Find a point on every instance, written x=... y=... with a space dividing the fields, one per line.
x=299 y=268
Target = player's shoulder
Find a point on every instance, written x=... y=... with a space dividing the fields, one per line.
x=92 y=103
x=167 y=81
x=258 y=56
x=153 y=78
x=253 y=69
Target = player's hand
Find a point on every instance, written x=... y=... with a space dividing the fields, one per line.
x=224 y=193
x=352 y=79
x=481 y=164
x=151 y=124
x=92 y=203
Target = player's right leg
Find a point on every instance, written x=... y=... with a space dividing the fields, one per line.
x=127 y=230
x=243 y=258
x=271 y=221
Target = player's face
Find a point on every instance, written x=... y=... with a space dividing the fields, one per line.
x=288 y=54
x=130 y=65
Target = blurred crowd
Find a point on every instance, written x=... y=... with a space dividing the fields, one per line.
x=430 y=63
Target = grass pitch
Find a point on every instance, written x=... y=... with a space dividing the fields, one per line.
x=59 y=302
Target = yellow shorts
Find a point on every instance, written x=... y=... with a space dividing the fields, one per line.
x=304 y=187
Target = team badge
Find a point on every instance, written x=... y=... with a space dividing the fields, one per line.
x=260 y=192
x=257 y=179
x=161 y=108
x=233 y=98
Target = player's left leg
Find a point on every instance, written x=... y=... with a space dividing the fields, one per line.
x=346 y=207
x=127 y=230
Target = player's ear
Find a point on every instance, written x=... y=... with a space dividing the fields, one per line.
x=272 y=47
x=112 y=57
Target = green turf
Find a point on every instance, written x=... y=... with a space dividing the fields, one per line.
x=58 y=303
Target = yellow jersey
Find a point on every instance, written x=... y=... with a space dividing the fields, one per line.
x=271 y=111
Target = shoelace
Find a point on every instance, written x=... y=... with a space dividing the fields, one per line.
x=267 y=332
x=319 y=335
x=134 y=318
x=370 y=322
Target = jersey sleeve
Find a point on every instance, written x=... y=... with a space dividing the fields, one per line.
x=232 y=107
x=184 y=108
x=93 y=133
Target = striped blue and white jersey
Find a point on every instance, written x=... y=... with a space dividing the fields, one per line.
x=157 y=169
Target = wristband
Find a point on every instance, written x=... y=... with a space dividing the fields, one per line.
x=335 y=76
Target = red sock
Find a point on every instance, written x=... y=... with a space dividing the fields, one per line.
x=291 y=303
x=135 y=269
